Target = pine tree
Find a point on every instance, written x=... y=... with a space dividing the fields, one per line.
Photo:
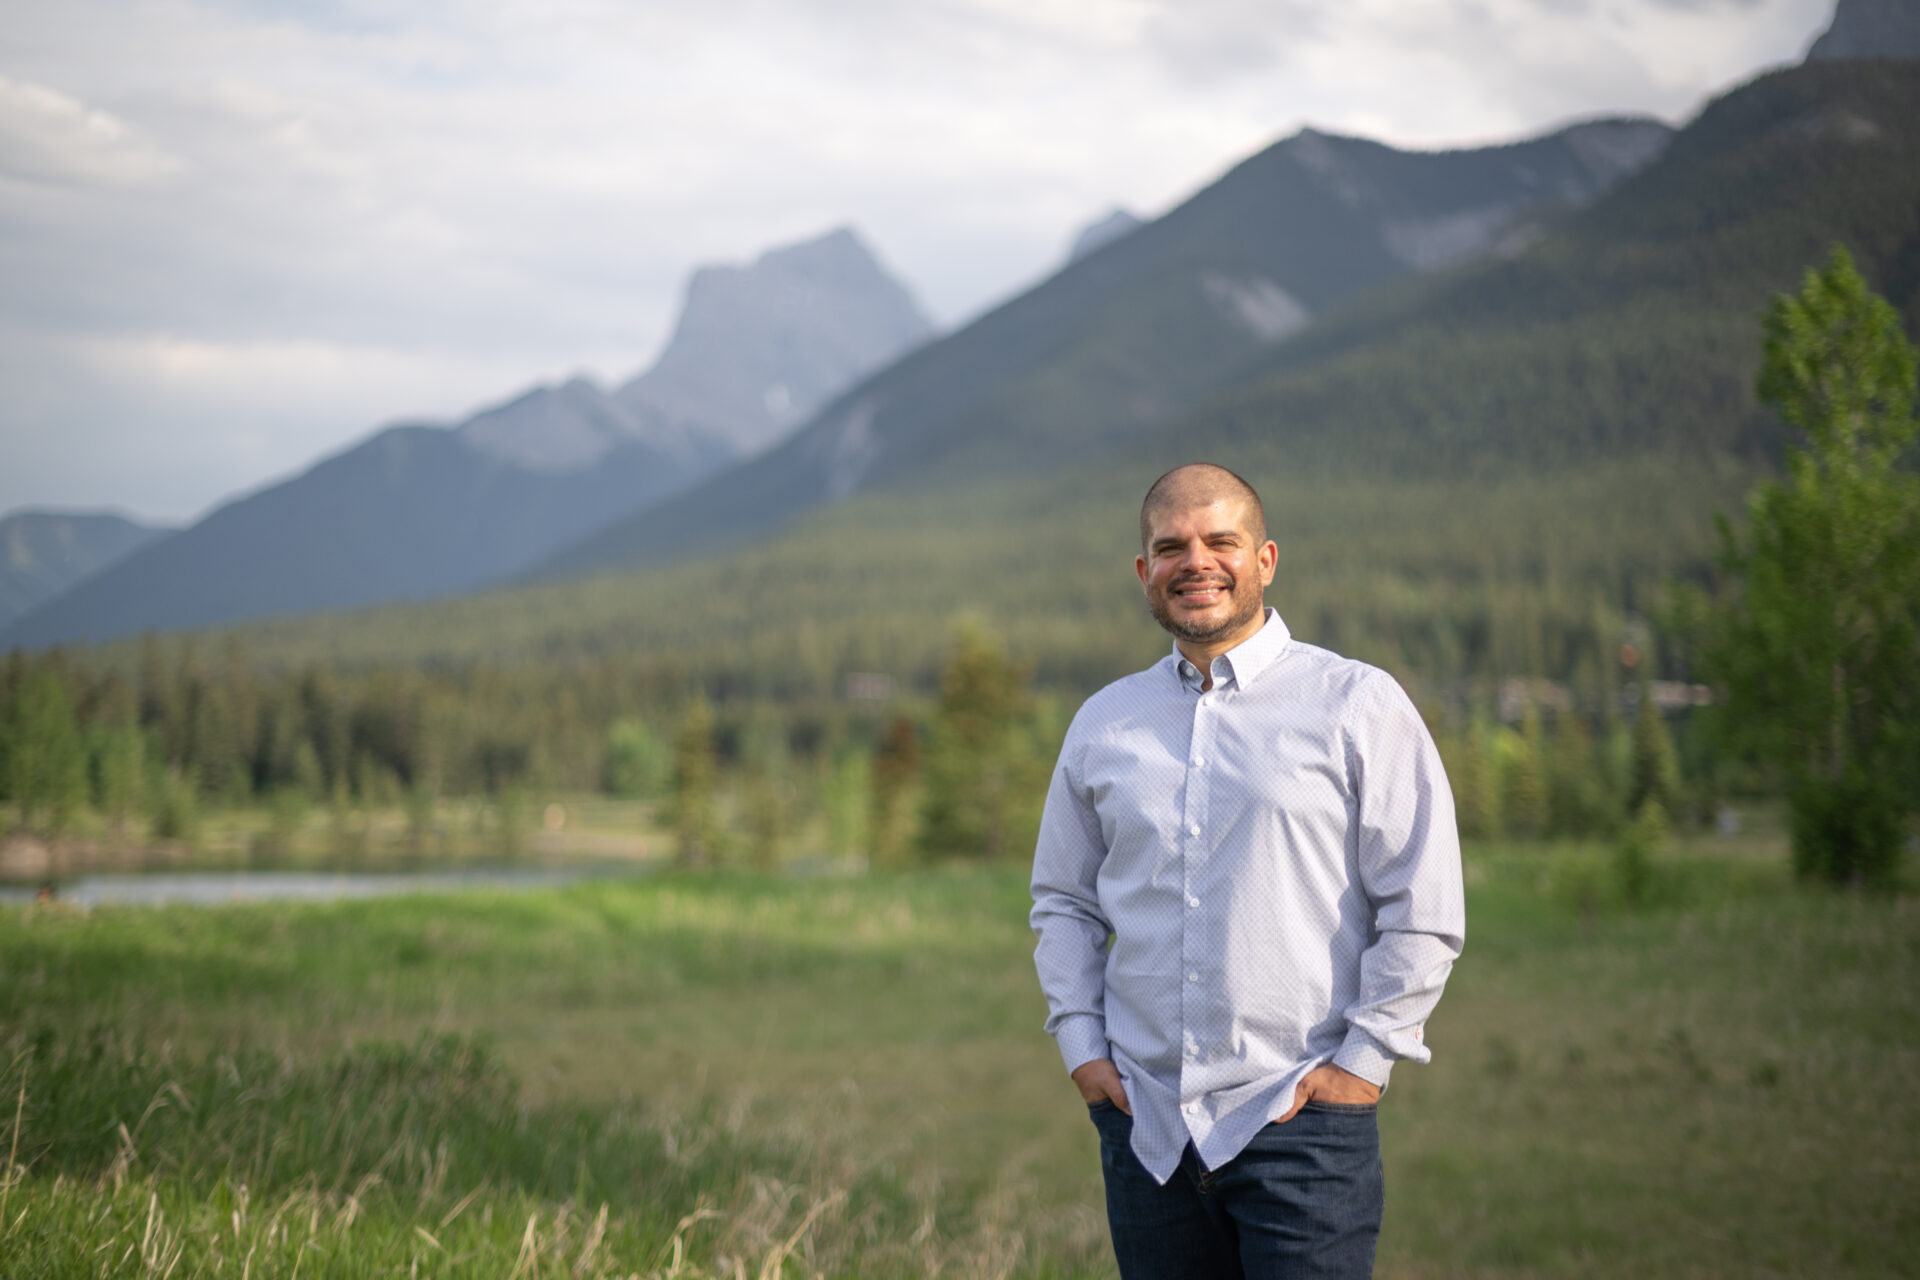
x=47 y=758
x=696 y=828
x=981 y=781
x=896 y=767
x=1525 y=804
x=1656 y=766
x=1476 y=783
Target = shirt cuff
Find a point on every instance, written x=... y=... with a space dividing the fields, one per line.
x=1363 y=1058
x=1081 y=1038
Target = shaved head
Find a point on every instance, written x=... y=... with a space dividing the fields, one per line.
x=1196 y=485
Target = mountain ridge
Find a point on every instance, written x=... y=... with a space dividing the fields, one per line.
x=418 y=510
x=44 y=552
x=1125 y=336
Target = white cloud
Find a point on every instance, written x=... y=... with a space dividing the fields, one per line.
x=292 y=222
x=46 y=136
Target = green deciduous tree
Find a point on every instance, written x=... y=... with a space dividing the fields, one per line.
x=1817 y=639
x=637 y=763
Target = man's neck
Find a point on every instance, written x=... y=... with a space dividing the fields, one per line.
x=1202 y=653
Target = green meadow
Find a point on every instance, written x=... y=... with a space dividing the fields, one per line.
x=734 y=1075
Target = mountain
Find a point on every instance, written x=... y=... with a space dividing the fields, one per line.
x=1483 y=471
x=1128 y=337
x=1102 y=232
x=755 y=351
x=1870 y=29
x=420 y=510
x=759 y=349
x=42 y=553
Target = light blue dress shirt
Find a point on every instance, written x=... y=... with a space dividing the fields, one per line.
x=1276 y=864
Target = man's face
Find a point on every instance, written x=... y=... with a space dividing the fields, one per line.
x=1204 y=573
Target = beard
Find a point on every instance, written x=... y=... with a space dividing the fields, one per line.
x=1245 y=607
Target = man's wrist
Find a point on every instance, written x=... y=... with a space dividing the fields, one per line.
x=1082 y=1039
x=1360 y=1056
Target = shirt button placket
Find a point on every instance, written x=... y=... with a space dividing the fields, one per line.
x=1195 y=1006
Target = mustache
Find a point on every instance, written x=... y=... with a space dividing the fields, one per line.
x=1202 y=580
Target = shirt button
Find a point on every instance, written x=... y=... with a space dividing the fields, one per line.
x=1192 y=1107
x=1193 y=902
x=1194 y=830
x=1193 y=977
x=1197 y=762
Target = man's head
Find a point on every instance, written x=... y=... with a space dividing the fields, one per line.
x=1205 y=560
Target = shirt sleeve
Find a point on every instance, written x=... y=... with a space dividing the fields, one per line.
x=1072 y=931
x=1409 y=860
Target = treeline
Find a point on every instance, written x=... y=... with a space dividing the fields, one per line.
x=892 y=775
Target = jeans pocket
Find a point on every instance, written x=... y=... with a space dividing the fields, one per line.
x=1105 y=1104
x=1342 y=1108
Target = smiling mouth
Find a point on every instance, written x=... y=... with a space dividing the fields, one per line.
x=1201 y=593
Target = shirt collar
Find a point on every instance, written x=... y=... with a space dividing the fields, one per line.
x=1242 y=664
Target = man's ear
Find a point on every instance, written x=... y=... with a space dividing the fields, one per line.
x=1269 y=559
x=1140 y=569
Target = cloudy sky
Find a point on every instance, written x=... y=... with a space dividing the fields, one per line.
x=236 y=235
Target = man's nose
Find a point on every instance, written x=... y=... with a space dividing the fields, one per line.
x=1196 y=555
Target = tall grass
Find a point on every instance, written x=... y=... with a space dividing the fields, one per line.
x=422 y=1158
x=754 y=1076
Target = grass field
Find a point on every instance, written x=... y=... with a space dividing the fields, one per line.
x=846 y=1077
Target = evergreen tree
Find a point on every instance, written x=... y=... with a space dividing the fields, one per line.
x=896 y=766
x=1580 y=800
x=765 y=756
x=982 y=788
x=1476 y=783
x=1818 y=640
x=1525 y=803
x=849 y=803
x=696 y=773
x=46 y=757
x=118 y=760
x=1656 y=766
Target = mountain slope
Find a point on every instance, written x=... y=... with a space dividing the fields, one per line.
x=1130 y=334
x=43 y=553
x=1633 y=328
x=1870 y=29
x=1482 y=471
x=419 y=511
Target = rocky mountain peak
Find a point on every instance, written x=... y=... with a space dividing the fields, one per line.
x=759 y=348
x=756 y=349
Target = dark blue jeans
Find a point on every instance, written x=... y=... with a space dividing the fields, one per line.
x=1303 y=1200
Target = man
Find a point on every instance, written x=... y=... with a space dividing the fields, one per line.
x=1247 y=897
